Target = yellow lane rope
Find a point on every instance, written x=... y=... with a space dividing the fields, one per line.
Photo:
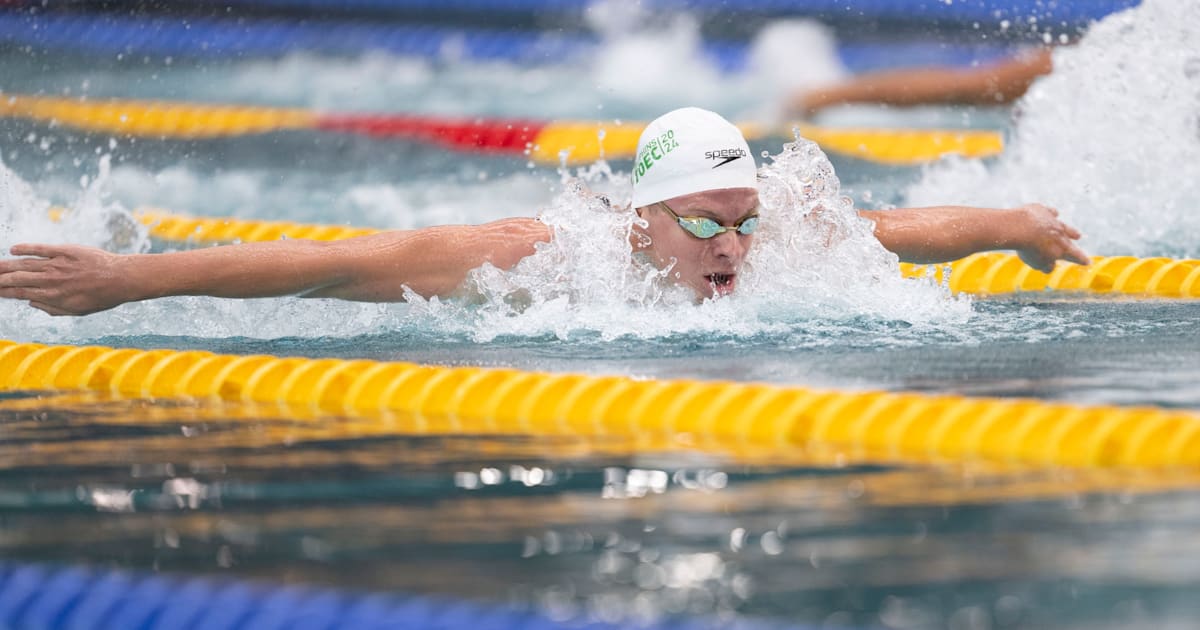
x=155 y=118
x=181 y=228
x=586 y=142
x=891 y=426
x=987 y=273
x=577 y=142
x=905 y=147
x=992 y=273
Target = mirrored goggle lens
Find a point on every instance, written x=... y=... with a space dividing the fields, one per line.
x=748 y=226
x=701 y=227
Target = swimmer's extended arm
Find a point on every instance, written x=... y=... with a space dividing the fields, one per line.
x=943 y=234
x=76 y=280
x=993 y=84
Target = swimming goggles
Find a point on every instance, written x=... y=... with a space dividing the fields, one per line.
x=704 y=227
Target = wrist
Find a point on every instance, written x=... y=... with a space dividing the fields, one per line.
x=1013 y=232
x=131 y=280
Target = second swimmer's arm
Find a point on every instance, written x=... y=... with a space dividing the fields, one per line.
x=993 y=84
x=75 y=280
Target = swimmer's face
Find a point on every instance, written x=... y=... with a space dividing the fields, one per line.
x=709 y=266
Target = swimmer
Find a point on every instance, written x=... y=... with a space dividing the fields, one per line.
x=997 y=83
x=694 y=187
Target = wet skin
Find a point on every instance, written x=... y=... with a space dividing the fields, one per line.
x=710 y=267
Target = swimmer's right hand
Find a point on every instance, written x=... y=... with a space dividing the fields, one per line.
x=1044 y=239
x=65 y=279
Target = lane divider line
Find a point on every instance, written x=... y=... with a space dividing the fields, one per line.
x=902 y=427
x=545 y=142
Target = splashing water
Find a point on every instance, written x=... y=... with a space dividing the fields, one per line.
x=820 y=257
x=813 y=258
x=1110 y=138
x=663 y=64
x=361 y=198
x=91 y=220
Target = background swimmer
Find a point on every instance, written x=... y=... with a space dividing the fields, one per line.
x=999 y=83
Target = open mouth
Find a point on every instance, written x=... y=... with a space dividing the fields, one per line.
x=721 y=282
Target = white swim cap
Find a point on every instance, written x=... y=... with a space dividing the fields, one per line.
x=690 y=150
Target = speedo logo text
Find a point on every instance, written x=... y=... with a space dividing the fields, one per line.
x=725 y=155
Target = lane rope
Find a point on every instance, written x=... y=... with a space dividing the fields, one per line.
x=546 y=142
x=985 y=11
x=206 y=37
x=991 y=273
x=38 y=595
x=900 y=427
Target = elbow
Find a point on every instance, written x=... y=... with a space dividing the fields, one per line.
x=520 y=238
x=322 y=267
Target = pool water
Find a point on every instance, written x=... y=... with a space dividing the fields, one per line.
x=613 y=528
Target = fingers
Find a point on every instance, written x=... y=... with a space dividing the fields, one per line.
x=10 y=279
x=23 y=293
x=39 y=249
x=1071 y=251
x=40 y=299
x=1067 y=235
x=11 y=265
x=1076 y=255
x=37 y=258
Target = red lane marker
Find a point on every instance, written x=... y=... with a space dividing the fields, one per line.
x=481 y=134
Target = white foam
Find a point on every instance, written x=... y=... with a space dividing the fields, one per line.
x=788 y=57
x=814 y=258
x=642 y=64
x=91 y=219
x=649 y=63
x=1110 y=138
x=367 y=199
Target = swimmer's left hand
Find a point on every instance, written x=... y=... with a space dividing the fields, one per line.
x=1043 y=239
x=64 y=279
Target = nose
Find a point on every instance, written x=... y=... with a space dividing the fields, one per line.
x=729 y=246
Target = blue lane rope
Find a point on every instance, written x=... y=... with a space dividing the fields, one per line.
x=218 y=38
x=208 y=38
x=80 y=598
x=987 y=12
x=983 y=11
